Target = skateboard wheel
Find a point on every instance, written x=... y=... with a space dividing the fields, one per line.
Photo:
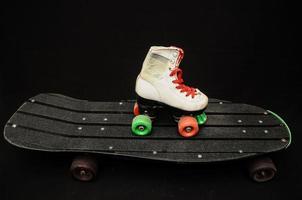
x=141 y=125
x=187 y=126
x=136 y=109
x=262 y=169
x=84 y=168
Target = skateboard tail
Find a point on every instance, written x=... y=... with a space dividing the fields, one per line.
x=286 y=126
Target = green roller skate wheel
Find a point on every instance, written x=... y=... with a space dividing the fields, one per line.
x=141 y=125
x=201 y=119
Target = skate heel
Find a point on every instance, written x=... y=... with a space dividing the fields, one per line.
x=148 y=107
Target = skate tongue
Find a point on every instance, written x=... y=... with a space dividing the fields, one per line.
x=180 y=56
x=178 y=62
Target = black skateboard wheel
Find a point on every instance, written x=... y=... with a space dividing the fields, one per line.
x=84 y=168
x=262 y=169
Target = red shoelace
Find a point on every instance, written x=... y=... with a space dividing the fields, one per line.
x=181 y=86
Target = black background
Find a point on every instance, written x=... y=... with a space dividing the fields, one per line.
x=234 y=50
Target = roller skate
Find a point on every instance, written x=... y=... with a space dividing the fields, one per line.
x=160 y=86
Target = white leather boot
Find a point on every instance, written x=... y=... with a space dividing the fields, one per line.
x=161 y=80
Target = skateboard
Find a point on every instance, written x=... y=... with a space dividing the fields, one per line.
x=56 y=123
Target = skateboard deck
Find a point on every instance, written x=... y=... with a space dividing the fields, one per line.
x=56 y=123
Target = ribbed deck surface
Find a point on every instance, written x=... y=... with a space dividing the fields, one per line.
x=52 y=122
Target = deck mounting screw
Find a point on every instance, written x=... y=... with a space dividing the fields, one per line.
x=239 y=121
x=265 y=131
x=110 y=147
x=260 y=121
x=121 y=103
x=80 y=128
x=84 y=118
x=265 y=113
x=243 y=131
x=154 y=152
x=32 y=100
x=105 y=119
x=102 y=128
x=199 y=156
x=283 y=140
x=220 y=102
x=14 y=125
x=240 y=151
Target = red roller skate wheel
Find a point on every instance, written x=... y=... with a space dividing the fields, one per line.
x=136 y=109
x=188 y=126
